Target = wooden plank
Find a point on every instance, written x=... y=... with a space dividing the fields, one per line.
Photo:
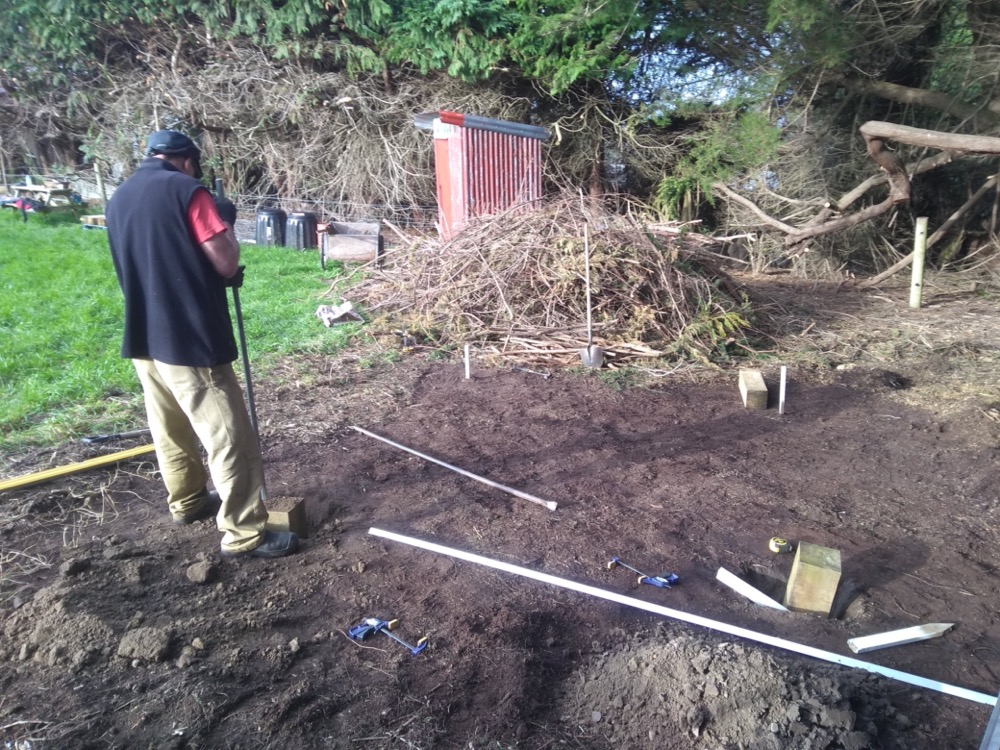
x=753 y=389
x=813 y=582
x=742 y=587
x=917 y=633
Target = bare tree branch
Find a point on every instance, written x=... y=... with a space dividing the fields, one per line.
x=934 y=238
x=726 y=192
x=954 y=142
x=876 y=133
x=936 y=100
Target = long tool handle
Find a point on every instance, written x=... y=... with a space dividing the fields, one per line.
x=251 y=401
x=115 y=436
x=586 y=260
x=517 y=493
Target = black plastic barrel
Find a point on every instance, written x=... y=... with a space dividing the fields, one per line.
x=270 y=226
x=300 y=230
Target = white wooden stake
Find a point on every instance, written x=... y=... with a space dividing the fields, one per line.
x=467 y=363
x=770 y=640
x=919 y=252
x=742 y=587
x=917 y=633
x=781 y=390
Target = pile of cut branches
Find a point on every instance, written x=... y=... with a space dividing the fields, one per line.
x=514 y=284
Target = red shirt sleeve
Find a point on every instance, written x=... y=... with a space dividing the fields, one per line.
x=203 y=217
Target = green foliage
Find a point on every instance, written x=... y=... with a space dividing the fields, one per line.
x=725 y=146
x=804 y=15
x=560 y=43
x=274 y=23
x=465 y=38
x=565 y=42
x=954 y=54
x=709 y=334
x=61 y=321
x=618 y=379
x=811 y=32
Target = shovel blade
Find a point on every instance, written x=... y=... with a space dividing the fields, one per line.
x=592 y=356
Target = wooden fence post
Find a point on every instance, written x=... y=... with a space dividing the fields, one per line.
x=919 y=252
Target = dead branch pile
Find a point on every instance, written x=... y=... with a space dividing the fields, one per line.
x=514 y=284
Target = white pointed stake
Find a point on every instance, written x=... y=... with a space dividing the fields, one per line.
x=781 y=390
x=467 y=363
x=742 y=587
x=898 y=637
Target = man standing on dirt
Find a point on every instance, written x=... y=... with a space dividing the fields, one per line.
x=175 y=256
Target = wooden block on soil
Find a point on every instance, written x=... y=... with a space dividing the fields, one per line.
x=814 y=579
x=288 y=514
x=753 y=389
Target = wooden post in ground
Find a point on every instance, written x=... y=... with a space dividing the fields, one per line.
x=919 y=253
x=813 y=582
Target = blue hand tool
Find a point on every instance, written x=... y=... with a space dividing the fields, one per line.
x=664 y=582
x=373 y=625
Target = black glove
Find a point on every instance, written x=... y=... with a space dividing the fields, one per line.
x=226 y=209
x=236 y=280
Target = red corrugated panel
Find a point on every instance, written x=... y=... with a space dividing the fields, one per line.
x=506 y=173
x=484 y=167
x=493 y=154
x=476 y=171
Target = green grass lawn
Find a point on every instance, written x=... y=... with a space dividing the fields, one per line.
x=61 y=376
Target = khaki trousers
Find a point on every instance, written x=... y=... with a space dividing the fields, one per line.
x=188 y=405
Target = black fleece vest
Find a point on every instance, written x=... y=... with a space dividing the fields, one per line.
x=176 y=310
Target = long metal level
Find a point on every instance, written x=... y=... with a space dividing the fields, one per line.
x=60 y=471
x=517 y=493
x=798 y=648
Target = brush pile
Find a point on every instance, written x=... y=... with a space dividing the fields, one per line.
x=514 y=284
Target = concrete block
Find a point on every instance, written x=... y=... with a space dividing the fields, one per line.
x=753 y=389
x=288 y=514
x=813 y=582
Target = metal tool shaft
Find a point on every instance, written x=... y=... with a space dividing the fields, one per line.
x=634 y=570
x=251 y=401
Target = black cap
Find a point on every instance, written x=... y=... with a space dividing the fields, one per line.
x=172 y=143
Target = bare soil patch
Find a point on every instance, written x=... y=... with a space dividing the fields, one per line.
x=121 y=630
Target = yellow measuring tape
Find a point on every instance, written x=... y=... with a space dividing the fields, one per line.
x=779 y=545
x=60 y=471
